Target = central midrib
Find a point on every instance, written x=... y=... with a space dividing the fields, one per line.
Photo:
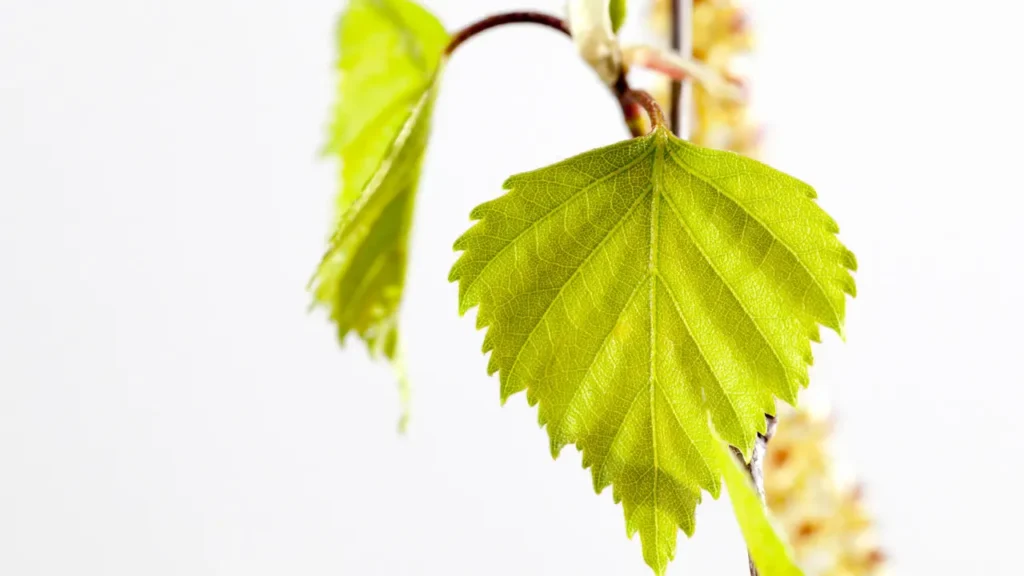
x=656 y=184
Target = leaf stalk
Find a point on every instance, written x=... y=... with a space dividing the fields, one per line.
x=649 y=104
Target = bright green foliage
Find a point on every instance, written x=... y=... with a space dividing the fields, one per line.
x=390 y=53
x=634 y=289
x=618 y=13
x=770 y=554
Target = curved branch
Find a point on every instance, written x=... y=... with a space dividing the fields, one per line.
x=630 y=109
x=472 y=30
x=678 y=68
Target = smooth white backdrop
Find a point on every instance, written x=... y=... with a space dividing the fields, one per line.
x=167 y=405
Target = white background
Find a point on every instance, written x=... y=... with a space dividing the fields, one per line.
x=167 y=405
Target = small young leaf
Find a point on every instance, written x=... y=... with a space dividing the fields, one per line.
x=590 y=23
x=617 y=10
x=634 y=289
x=390 y=53
x=770 y=554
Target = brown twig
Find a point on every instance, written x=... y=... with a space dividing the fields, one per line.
x=502 y=19
x=630 y=109
x=756 y=469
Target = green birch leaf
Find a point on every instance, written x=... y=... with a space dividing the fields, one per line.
x=770 y=553
x=634 y=289
x=390 y=55
x=618 y=14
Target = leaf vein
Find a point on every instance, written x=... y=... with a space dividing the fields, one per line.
x=728 y=285
x=821 y=289
x=550 y=214
x=596 y=250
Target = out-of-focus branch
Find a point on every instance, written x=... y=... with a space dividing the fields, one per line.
x=678 y=8
x=678 y=67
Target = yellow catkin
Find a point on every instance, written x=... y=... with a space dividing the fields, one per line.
x=828 y=527
x=825 y=521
